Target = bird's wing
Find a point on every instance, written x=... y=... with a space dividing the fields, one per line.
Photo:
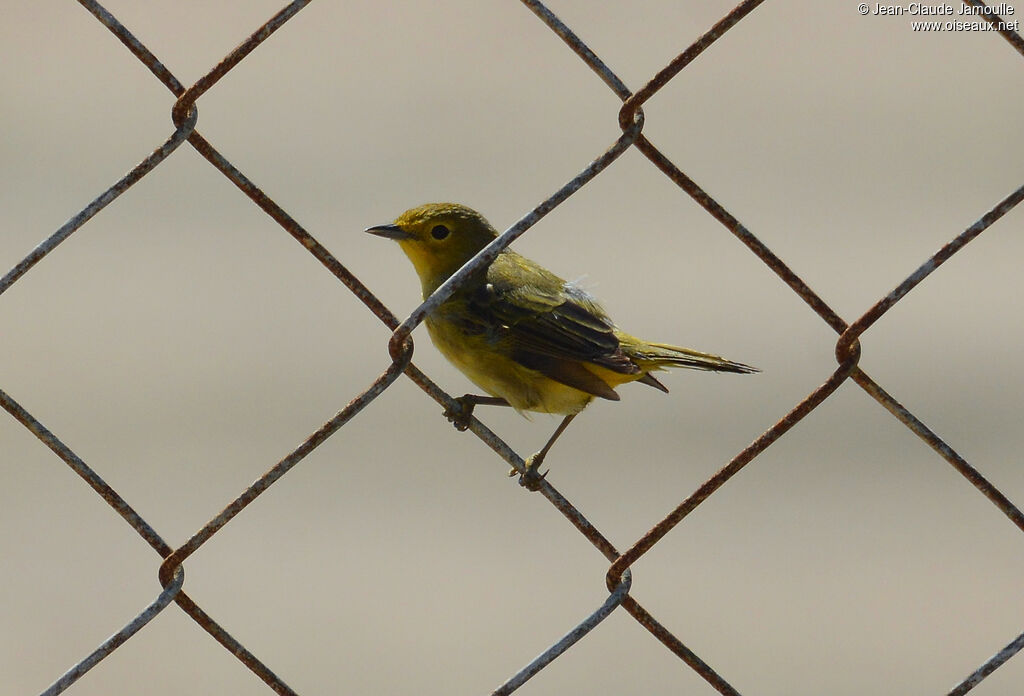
x=550 y=326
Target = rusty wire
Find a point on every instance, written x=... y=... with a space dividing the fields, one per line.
x=618 y=579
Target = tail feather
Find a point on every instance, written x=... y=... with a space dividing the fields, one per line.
x=653 y=381
x=659 y=355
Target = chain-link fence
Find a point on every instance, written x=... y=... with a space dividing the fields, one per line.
x=633 y=138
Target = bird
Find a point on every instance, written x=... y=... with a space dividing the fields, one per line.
x=528 y=338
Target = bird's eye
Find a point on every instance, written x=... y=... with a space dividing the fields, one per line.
x=439 y=232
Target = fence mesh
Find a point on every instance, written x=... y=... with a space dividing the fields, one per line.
x=633 y=137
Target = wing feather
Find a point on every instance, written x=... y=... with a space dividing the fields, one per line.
x=551 y=326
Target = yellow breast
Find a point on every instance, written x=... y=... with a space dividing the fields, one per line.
x=498 y=375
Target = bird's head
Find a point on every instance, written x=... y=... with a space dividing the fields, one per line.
x=439 y=238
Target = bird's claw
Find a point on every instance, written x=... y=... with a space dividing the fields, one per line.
x=532 y=478
x=460 y=414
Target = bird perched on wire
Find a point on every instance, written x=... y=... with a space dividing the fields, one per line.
x=528 y=338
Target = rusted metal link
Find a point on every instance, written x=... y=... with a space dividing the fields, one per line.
x=233 y=645
x=113 y=642
x=924 y=270
x=668 y=639
x=568 y=640
x=99 y=203
x=941 y=448
x=94 y=480
x=662 y=77
x=809 y=403
x=207 y=150
x=631 y=106
x=261 y=484
x=895 y=407
x=185 y=116
x=761 y=250
x=847 y=353
x=581 y=49
x=292 y=227
x=134 y=45
x=848 y=347
x=630 y=111
x=628 y=117
x=184 y=110
x=187 y=99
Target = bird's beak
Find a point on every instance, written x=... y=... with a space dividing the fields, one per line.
x=390 y=231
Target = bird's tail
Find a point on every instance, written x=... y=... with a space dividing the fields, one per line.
x=660 y=355
x=643 y=358
x=657 y=356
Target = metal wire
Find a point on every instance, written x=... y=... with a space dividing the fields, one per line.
x=618 y=579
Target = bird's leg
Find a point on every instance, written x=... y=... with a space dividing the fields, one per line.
x=532 y=477
x=460 y=415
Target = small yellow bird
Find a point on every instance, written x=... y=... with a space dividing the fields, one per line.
x=525 y=336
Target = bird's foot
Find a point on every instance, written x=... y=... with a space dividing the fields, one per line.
x=461 y=413
x=531 y=478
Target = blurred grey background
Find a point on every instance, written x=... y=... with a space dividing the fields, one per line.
x=181 y=343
